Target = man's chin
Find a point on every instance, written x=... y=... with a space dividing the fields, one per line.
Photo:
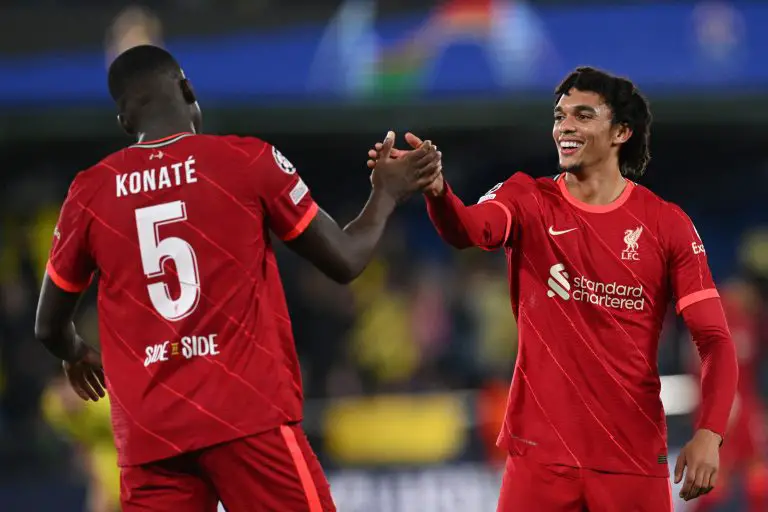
x=572 y=168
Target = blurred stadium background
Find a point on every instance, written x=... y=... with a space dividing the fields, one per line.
x=406 y=371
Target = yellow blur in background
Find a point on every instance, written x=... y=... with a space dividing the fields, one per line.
x=402 y=429
x=87 y=425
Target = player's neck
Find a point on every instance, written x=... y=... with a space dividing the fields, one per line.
x=598 y=186
x=164 y=130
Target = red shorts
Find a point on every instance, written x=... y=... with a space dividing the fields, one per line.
x=530 y=486
x=273 y=471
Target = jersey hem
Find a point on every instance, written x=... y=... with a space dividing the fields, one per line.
x=124 y=461
x=303 y=223
x=508 y=445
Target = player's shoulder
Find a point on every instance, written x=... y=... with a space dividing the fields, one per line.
x=515 y=184
x=95 y=176
x=244 y=142
x=654 y=201
x=672 y=222
x=675 y=220
x=646 y=195
x=233 y=145
x=548 y=182
x=257 y=149
x=519 y=188
x=669 y=207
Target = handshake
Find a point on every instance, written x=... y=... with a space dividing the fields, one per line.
x=400 y=173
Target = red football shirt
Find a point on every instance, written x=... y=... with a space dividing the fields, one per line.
x=589 y=288
x=195 y=334
x=747 y=433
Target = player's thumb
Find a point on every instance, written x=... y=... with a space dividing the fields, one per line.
x=386 y=146
x=413 y=140
x=679 y=467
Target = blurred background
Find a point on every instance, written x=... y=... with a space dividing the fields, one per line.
x=406 y=371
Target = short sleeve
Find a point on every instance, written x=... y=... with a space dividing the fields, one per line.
x=286 y=198
x=70 y=265
x=691 y=279
x=508 y=196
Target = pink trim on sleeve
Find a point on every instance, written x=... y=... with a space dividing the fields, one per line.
x=693 y=298
x=303 y=223
x=508 y=227
x=62 y=283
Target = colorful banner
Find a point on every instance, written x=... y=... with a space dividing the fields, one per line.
x=463 y=49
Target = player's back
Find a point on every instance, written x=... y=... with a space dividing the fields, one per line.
x=195 y=333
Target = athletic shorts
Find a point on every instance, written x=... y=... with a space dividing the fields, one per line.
x=531 y=486
x=275 y=471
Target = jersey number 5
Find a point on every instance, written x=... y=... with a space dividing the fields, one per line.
x=156 y=251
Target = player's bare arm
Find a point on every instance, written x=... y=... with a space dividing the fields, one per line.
x=484 y=225
x=54 y=328
x=343 y=254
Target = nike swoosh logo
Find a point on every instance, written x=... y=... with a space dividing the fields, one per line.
x=556 y=233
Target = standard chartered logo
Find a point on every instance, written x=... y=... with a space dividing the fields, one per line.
x=610 y=295
x=558 y=282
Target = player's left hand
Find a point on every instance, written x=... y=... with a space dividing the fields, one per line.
x=415 y=142
x=86 y=374
x=699 y=460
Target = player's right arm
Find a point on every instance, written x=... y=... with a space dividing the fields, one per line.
x=68 y=274
x=342 y=254
x=487 y=224
x=699 y=303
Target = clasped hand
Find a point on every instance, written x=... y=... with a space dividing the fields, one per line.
x=432 y=183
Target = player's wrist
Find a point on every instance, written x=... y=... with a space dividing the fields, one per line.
x=435 y=190
x=383 y=201
x=710 y=435
x=77 y=349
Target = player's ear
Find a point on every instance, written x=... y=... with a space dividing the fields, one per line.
x=187 y=91
x=622 y=133
x=125 y=124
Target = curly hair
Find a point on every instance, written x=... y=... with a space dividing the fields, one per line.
x=629 y=107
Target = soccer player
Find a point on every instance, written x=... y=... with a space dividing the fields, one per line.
x=594 y=259
x=197 y=347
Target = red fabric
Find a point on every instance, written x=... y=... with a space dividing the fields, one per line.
x=529 y=485
x=719 y=368
x=195 y=334
x=589 y=286
x=276 y=470
x=482 y=225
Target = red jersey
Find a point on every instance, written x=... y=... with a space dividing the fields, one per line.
x=195 y=335
x=590 y=286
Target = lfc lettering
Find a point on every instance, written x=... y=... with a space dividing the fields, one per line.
x=188 y=347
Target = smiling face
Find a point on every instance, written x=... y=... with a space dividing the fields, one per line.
x=584 y=132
